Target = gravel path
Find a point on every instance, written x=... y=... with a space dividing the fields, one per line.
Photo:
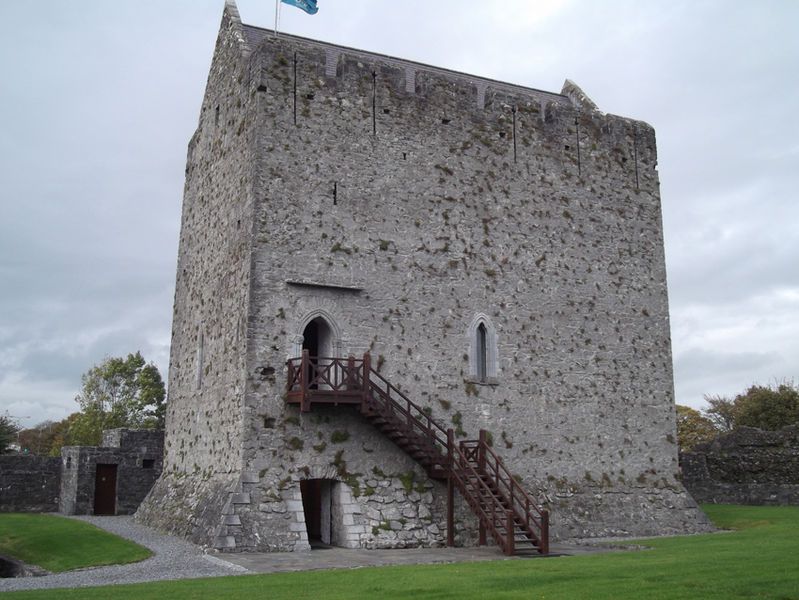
x=173 y=559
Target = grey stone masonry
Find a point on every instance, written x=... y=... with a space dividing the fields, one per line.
x=746 y=466
x=497 y=249
x=138 y=457
x=29 y=483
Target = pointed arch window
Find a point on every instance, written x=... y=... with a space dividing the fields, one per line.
x=483 y=357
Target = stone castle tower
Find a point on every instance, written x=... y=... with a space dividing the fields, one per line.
x=496 y=250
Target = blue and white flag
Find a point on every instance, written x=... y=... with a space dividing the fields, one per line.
x=308 y=6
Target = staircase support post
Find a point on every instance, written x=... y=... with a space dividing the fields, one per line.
x=305 y=365
x=510 y=532
x=481 y=470
x=367 y=369
x=481 y=451
x=543 y=548
x=351 y=373
x=450 y=488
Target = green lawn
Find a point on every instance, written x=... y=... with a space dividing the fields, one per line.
x=760 y=560
x=59 y=544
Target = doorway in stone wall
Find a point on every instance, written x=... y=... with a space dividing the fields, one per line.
x=317 y=502
x=105 y=490
x=318 y=339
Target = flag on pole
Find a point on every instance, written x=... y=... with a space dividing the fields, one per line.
x=308 y=6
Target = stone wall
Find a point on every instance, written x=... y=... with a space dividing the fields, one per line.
x=432 y=201
x=29 y=483
x=747 y=466
x=138 y=455
x=404 y=205
x=207 y=356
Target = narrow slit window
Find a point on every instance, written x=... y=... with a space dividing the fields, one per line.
x=200 y=359
x=482 y=362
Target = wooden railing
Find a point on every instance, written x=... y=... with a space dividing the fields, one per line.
x=327 y=379
x=391 y=402
x=502 y=506
x=532 y=520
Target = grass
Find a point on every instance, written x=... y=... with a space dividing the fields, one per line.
x=59 y=544
x=759 y=560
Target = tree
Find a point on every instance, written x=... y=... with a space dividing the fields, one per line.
x=767 y=408
x=721 y=412
x=8 y=432
x=693 y=428
x=118 y=393
x=60 y=435
x=37 y=439
x=760 y=406
x=47 y=438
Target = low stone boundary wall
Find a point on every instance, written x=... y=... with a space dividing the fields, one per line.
x=746 y=466
x=29 y=483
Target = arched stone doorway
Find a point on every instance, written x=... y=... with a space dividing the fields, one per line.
x=319 y=334
x=318 y=338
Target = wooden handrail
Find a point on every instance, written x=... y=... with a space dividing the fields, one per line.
x=534 y=519
x=486 y=484
x=500 y=466
x=333 y=373
x=423 y=421
x=483 y=501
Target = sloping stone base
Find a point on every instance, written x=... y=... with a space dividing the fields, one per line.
x=625 y=512
x=188 y=506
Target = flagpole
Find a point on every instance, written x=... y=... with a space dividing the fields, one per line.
x=277 y=8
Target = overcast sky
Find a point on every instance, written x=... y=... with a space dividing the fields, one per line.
x=99 y=99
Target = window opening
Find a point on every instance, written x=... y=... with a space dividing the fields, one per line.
x=483 y=359
x=200 y=353
x=482 y=354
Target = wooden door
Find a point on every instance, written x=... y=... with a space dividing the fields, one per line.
x=105 y=490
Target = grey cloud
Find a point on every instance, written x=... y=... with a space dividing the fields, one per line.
x=700 y=372
x=100 y=99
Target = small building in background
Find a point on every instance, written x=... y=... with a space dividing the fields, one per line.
x=114 y=478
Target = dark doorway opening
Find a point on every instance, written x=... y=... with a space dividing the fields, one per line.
x=317 y=339
x=310 y=338
x=105 y=490
x=316 y=504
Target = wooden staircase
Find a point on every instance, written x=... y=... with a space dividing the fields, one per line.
x=503 y=508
